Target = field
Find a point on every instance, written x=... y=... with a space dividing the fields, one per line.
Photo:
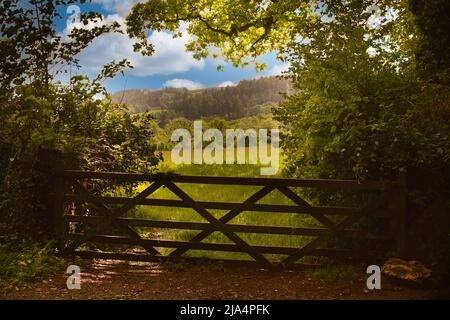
x=222 y=194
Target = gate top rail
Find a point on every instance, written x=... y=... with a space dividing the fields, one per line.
x=251 y=181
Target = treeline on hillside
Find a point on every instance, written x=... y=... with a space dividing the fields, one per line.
x=163 y=132
x=247 y=98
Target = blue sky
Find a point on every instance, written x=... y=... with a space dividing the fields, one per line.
x=170 y=66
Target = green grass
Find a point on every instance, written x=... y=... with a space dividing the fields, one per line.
x=24 y=262
x=222 y=193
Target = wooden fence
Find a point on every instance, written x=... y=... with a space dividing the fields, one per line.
x=106 y=216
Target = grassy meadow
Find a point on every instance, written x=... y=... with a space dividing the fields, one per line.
x=222 y=193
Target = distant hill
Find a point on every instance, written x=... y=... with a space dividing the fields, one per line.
x=248 y=97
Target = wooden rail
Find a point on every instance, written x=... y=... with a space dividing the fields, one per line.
x=84 y=217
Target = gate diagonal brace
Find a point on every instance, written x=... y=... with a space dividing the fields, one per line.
x=226 y=218
x=299 y=201
x=106 y=212
x=222 y=227
x=110 y=220
x=302 y=252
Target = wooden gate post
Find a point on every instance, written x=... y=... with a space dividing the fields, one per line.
x=401 y=215
x=58 y=205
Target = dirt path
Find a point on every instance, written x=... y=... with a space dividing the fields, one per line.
x=104 y=279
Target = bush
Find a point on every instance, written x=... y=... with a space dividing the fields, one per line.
x=44 y=126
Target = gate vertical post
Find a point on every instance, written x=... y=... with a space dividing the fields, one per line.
x=401 y=215
x=58 y=214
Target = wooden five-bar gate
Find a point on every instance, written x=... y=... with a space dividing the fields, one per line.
x=106 y=216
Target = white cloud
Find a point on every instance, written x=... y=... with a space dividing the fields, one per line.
x=183 y=83
x=278 y=70
x=227 y=84
x=121 y=7
x=170 y=54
